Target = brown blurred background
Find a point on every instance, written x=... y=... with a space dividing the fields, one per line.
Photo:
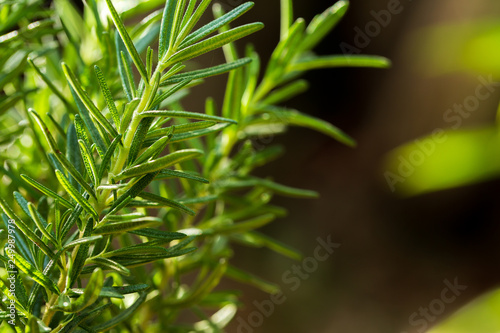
x=395 y=252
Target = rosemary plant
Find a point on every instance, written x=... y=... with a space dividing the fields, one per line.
x=120 y=208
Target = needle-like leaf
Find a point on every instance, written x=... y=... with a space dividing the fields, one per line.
x=127 y=41
x=215 y=42
x=307 y=64
x=73 y=192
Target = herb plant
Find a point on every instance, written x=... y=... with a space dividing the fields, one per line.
x=120 y=208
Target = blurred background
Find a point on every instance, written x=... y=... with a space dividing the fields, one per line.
x=395 y=250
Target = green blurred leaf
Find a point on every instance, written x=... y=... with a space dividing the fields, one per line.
x=479 y=315
x=108 y=264
x=165 y=174
x=270 y=185
x=248 y=278
x=89 y=162
x=443 y=160
x=322 y=24
x=164 y=202
x=107 y=96
x=158 y=234
x=123 y=315
x=35 y=274
x=76 y=195
x=155 y=149
x=81 y=317
x=296 y=118
x=207 y=72
x=107 y=157
x=81 y=255
x=286 y=17
x=35 y=215
x=307 y=64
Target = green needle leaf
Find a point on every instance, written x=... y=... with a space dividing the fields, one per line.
x=164 y=202
x=138 y=140
x=128 y=42
x=163 y=96
x=216 y=24
x=76 y=195
x=108 y=264
x=81 y=255
x=322 y=24
x=286 y=17
x=295 y=118
x=287 y=92
x=207 y=72
x=159 y=164
x=47 y=191
x=126 y=226
x=107 y=96
x=245 y=226
x=107 y=157
x=24 y=204
x=215 y=42
x=248 y=278
x=127 y=76
x=35 y=274
x=270 y=185
x=123 y=315
x=131 y=193
x=184 y=114
x=43 y=229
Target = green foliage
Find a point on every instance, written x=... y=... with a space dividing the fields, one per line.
x=118 y=194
